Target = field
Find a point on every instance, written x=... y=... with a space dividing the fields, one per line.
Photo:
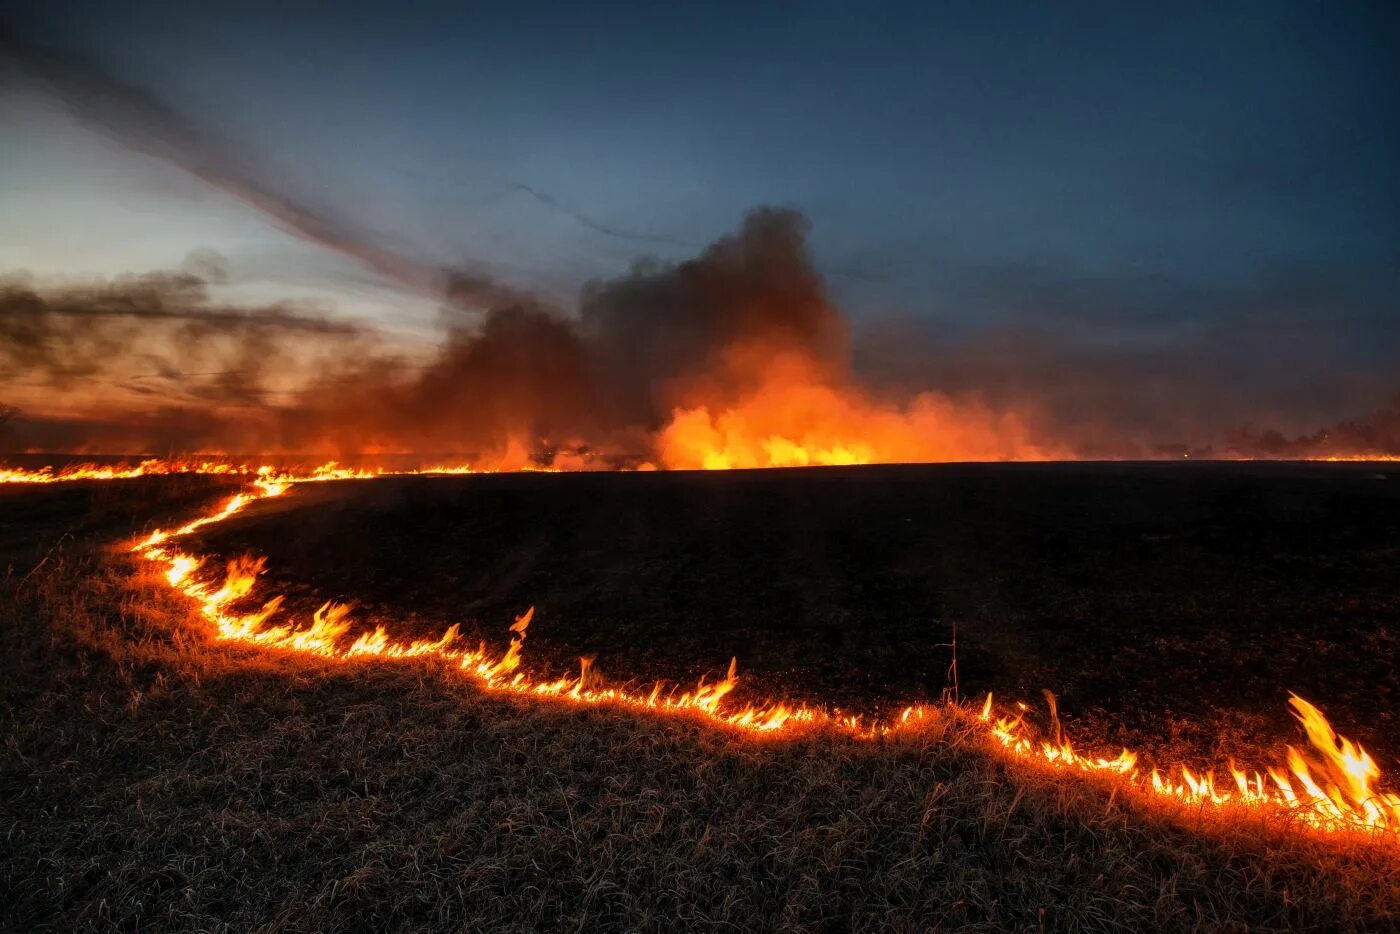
x=1160 y=602
x=154 y=778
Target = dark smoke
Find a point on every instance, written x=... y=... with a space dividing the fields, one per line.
x=191 y=373
x=199 y=374
x=661 y=336
x=1143 y=365
x=1374 y=434
x=705 y=329
x=1082 y=362
x=127 y=358
x=595 y=225
x=59 y=337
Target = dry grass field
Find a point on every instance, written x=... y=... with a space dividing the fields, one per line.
x=154 y=779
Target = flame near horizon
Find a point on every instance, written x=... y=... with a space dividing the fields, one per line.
x=736 y=358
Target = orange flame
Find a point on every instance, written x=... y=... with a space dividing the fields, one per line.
x=787 y=423
x=263 y=474
x=146 y=468
x=795 y=420
x=1331 y=787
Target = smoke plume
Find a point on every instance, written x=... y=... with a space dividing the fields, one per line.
x=737 y=357
x=704 y=331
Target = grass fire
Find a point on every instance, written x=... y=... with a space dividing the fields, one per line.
x=635 y=467
x=217 y=604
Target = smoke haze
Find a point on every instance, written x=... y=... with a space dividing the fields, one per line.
x=737 y=357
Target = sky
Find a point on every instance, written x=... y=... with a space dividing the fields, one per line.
x=1117 y=172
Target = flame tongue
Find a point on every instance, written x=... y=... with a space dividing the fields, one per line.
x=1333 y=785
x=1348 y=773
x=1330 y=787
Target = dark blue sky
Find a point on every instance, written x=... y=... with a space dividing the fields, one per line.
x=1140 y=165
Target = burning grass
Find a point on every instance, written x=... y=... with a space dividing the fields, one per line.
x=161 y=778
x=158 y=779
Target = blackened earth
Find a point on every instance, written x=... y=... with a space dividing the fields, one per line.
x=1170 y=606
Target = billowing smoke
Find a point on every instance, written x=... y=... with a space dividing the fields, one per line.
x=737 y=357
x=164 y=323
x=155 y=362
x=1375 y=434
x=283 y=378
x=705 y=331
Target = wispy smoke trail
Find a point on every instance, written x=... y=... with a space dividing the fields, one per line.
x=597 y=226
x=140 y=119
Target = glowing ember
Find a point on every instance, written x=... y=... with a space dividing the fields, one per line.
x=1330 y=786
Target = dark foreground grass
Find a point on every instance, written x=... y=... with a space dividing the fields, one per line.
x=153 y=780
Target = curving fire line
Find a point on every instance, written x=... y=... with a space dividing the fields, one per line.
x=1331 y=786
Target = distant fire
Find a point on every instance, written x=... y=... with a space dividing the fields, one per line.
x=1331 y=785
x=263 y=473
x=743 y=437
x=737 y=357
x=146 y=468
x=793 y=419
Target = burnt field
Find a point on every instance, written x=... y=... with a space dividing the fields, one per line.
x=1171 y=607
x=153 y=777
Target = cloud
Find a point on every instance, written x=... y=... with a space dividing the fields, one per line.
x=160 y=334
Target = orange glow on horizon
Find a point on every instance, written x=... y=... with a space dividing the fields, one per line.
x=795 y=420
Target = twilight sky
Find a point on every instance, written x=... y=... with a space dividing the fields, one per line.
x=1107 y=172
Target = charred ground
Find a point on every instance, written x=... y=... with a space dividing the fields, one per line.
x=1168 y=605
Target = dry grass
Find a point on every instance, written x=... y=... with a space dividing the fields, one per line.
x=152 y=780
